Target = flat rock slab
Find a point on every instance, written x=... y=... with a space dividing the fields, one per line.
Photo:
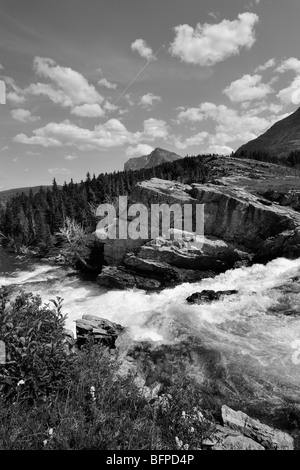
x=269 y=438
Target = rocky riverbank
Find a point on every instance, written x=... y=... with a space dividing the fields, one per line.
x=240 y=227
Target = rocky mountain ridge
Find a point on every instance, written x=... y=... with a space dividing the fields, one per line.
x=278 y=141
x=156 y=157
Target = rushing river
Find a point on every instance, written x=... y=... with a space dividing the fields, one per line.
x=245 y=345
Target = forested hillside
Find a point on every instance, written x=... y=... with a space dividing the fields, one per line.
x=34 y=219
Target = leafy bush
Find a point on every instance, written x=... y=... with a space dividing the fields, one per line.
x=37 y=361
x=52 y=400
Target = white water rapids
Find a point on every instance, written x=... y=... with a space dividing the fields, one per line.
x=254 y=334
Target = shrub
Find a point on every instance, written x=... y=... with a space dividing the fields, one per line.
x=37 y=361
x=52 y=400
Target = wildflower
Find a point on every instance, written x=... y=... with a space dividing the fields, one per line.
x=50 y=431
x=183 y=415
x=92 y=392
x=178 y=443
x=45 y=442
x=21 y=382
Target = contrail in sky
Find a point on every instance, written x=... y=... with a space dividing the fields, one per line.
x=138 y=74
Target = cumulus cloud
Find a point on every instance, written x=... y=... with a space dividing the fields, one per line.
x=70 y=157
x=139 y=150
x=75 y=88
x=209 y=44
x=247 y=88
x=189 y=114
x=68 y=88
x=290 y=94
x=195 y=140
x=148 y=100
x=230 y=125
x=23 y=115
x=113 y=133
x=107 y=84
x=13 y=91
x=269 y=64
x=140 y=46
x=289 y=64
x=88 y=110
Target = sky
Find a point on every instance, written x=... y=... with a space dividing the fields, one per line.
x=87 y=84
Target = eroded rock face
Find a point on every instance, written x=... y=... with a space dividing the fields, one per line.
x=209 y=296
x=240 y=228
x=269 y=438
x=119 y=278
x=102 y=331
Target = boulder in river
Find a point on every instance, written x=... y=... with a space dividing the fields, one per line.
x=101 y=330
x=208 y=296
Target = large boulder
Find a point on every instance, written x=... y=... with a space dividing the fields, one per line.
x=101 y=330
x=208 y=296
x=269 y=438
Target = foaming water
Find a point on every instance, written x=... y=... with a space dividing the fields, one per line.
x=251 y=330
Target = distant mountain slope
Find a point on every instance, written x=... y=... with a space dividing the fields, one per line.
x=12 y=192
x=282 y=138
x=155 y=158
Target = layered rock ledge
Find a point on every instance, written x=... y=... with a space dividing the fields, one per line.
x=240 y=227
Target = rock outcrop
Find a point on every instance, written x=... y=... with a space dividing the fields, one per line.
x=282 y=138
x=102 y=331
x=240 y=227
x=269 y=438
x=156 y=157
x=208 y=296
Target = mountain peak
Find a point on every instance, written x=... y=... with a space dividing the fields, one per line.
x=281 y=139
x=156 y=157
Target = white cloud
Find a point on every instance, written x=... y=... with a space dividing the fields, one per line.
x=70 y=157
x=23 y=115
x=88 y=110
x=139 y=150
x=289 y=64
x=69 y=88
x=75 y=87
x=107 y=84
x=155 y=129
x=190 y=114
x=13 y=92
x=195 y=140
x=1 y=67
x=143 y=49
x=247 y=88
x=148 y=100
x=111 y=134
x=220 y=149
x=59 y=171
x=208 y=44
x=269 y=64
x=230 y=125
x=291 y=94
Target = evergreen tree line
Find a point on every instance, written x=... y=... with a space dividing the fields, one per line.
x=33 y=220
